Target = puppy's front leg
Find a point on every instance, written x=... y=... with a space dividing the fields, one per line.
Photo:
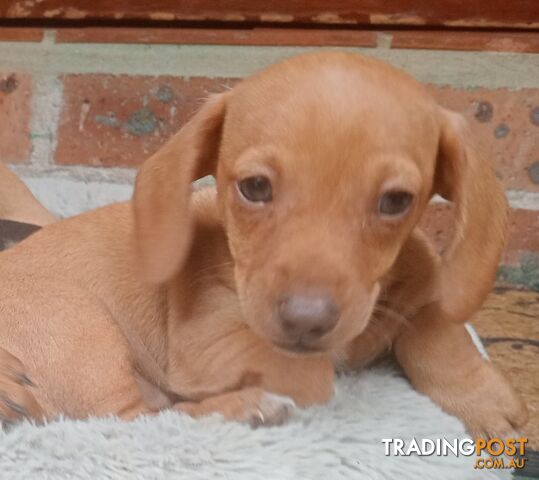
x=442 y=362
x=252 y=405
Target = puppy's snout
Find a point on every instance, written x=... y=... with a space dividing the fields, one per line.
x=307 y=316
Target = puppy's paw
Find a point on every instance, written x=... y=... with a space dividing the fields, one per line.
x=252 y=405
x=272 y=409
x=487 y=404
x=500 y=413
x=16 y=398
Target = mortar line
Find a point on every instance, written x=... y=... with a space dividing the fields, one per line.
x=46 y=105
x=518 y=199
x=460 y=69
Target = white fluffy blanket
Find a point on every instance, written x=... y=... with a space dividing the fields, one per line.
x=339 y=441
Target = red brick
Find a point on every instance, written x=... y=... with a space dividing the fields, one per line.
x=222 y=36
x=457 y=40
x=502 y=122
x=522 y=236
x=120 y=120
x=20 y=34
x=437 y=39
x=15 y=112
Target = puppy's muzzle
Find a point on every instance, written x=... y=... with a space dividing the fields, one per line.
x=304 y=319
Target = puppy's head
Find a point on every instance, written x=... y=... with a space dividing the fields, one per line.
x=324 y=164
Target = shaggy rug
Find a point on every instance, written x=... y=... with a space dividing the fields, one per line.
x=339 y=441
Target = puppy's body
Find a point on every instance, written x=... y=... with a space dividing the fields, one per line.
x=70 y=310
x=99 y=344
x=324 y=165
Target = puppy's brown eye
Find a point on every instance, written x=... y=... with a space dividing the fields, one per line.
x=394 y=203
x=256 y=189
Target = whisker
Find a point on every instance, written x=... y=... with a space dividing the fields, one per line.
x=209 y=273
x=393 y=314
x=215 y=266
x=380 y=330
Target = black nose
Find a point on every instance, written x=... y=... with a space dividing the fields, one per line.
x=307 y=316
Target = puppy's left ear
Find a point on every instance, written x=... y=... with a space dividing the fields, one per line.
x=163 y=224
x=464 y=177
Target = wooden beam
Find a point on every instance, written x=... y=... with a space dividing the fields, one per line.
x=455 y=13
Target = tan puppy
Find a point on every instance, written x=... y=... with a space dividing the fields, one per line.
x=308 y=258
x=17 y=204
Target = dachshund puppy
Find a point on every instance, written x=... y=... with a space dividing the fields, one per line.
x=305 y=258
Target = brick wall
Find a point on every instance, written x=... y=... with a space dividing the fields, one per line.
x=79 y=112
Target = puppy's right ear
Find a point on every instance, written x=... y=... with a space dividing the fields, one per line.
x=465 y=177
x=163 y=226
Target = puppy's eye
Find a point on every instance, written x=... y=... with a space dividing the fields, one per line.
x=256 y=189
x=394 y=203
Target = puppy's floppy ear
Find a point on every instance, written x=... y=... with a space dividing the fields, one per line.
x=465 y=177
x=163 y=226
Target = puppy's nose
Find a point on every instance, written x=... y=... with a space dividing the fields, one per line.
x=308 y=316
